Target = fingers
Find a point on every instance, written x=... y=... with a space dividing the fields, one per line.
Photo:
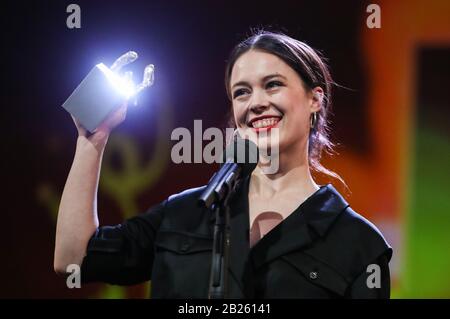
x=114 y=119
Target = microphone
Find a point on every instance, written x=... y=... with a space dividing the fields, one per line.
x=240 y=159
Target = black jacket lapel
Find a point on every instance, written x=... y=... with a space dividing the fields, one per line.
x=316 y=214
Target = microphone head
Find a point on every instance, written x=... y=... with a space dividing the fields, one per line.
x=242 y=152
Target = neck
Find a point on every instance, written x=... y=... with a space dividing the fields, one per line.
x=293 y=174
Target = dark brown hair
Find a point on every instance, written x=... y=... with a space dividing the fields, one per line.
x=313 y=71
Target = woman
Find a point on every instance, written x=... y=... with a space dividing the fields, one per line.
x=304 y=240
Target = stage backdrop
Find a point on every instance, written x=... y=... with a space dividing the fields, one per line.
x=390 y=120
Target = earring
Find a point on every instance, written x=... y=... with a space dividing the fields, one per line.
x=313 y=119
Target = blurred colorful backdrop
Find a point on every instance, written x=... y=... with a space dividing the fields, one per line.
x=391 y=120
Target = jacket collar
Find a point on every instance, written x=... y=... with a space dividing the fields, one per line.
x=322 y=208
x=317 y=213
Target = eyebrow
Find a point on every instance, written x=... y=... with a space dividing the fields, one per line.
x=264 y=79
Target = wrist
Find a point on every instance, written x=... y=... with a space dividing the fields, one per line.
x=98 y=140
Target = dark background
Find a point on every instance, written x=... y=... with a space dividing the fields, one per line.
x=43 y=61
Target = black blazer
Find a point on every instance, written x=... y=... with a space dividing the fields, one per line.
x=321 y=250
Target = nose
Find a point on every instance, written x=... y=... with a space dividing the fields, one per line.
x=259 y=102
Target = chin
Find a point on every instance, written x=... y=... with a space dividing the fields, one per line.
x=268 y=149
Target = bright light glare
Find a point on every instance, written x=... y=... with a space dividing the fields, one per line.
x=122 y=85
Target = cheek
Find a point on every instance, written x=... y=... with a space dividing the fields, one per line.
x=298 y=123
x=238 y=114
x=288 y=101
x=297 y=119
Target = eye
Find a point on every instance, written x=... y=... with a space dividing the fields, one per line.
x=239 y=92
x=273 y=84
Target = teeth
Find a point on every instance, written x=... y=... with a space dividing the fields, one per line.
x=265 y=122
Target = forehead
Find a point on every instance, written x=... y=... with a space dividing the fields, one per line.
x=254 y=65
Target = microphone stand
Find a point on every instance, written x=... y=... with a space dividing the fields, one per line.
x=218 y=282
x=215 y=198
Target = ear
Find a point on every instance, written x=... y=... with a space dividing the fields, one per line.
x=317 y=99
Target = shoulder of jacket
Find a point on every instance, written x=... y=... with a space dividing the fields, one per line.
x=183 y=213
x=352 y=243
x=357 y=226
x=186 y=197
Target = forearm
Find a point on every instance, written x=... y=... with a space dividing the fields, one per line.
x=77 y=215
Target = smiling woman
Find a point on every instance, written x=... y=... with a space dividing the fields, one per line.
x=289 y=237
x=287 y=76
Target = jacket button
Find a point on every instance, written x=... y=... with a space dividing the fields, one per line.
x=185 y=247
x=313 y=275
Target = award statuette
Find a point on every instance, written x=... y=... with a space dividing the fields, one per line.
x=103 y=90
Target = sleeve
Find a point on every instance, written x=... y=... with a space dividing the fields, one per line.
x=123 y=254
x=374 y=282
